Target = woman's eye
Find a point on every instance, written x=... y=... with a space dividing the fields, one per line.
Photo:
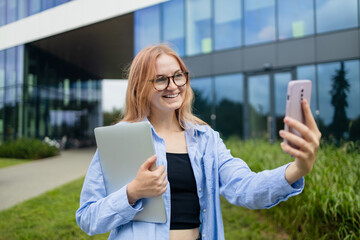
x=178 y=75
x=161 y=79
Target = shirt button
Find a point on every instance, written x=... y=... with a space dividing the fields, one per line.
x=203 y=235
x=204 y=210
x=200 y=189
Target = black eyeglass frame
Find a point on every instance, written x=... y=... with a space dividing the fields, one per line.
x=173 y=79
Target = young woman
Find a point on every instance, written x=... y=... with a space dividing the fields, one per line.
x=193 y=165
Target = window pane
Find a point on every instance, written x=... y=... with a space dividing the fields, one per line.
x=173 y=25
x=2 y=83
x=281 y=82
x=259 y=105
x=10 y=81
x=259 y=21
x=229 y=104
x=296 y=18
x=326 y=110
x=227 y=24
x=339 y=99
x=334 y=15
x=203 y=98
x=10 y=91
x=198 y=27
x=11 y=13
x=2 y=72
x=308 y=72
x=352 y=69
x=2 y=12
x=22 y=9
x=34 y=6
x=58 y=2
x=46 y=4
x=147 y=27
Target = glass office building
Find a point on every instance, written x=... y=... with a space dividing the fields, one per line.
x=40 y=94
x=240 y=53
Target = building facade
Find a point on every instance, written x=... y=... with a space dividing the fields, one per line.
x=240 y=53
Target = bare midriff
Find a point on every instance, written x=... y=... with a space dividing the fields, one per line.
x=184 y=234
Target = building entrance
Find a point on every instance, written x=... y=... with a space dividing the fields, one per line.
x=266 y=102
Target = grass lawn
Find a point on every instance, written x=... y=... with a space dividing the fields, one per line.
x=6 y=162
x=52 y=216
x=49 y=216
x=328 y=209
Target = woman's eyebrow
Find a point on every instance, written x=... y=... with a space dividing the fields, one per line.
x=164 y=75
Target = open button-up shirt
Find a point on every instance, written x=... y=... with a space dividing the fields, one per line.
x=216 y=172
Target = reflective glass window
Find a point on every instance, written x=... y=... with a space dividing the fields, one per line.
x=10 y=91
x=308 y=72
x=229 y=104
x=147 y=27
x=281 y=82
x=11 y=11
x=2 y=83
x=10 y=76
x=22 y=8
x=173 y=22
x=296 y=18
x=339 y=99
x=203 y=93
x=2 y=74
x=259 y=105
x=352 y=76
x=58 y=2
x=259 y=21
x=46 y=4
x=198 y=27
x=2 y=12
x=34 y=6
x=334 y=15
x=227 y=24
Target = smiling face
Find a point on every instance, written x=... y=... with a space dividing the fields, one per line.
x=170 y=99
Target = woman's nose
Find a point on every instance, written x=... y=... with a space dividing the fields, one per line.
x=171 y=84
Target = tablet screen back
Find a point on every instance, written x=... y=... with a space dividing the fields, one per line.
x=123 y=148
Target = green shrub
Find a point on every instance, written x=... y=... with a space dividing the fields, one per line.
x=329 y=207
x=27 y=148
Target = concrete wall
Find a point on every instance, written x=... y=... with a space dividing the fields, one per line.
x=309 y=50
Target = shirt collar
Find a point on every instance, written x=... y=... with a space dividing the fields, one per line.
x=188 y=126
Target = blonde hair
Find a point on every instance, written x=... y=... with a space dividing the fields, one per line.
x=142 y=69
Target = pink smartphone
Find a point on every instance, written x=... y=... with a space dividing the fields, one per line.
x=296 y=92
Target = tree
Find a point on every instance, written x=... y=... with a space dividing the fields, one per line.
x=339 y=91
x=113 y=117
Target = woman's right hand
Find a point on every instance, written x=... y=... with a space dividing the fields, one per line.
x=148 y=182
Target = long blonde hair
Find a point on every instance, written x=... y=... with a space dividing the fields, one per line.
x=141 y=70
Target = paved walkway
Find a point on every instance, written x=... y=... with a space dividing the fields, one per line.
x=24 y=181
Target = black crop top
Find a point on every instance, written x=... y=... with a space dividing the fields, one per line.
x=185 y=207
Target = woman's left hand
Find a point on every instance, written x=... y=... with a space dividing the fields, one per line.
x=308 y=144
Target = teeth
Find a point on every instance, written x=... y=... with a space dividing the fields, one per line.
x=171 y=96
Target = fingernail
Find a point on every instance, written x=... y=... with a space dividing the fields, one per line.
x=281 y=132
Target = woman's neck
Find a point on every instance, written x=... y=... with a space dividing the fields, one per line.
x=165 y=123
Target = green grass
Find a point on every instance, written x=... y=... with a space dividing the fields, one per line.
x=7 y=162
x=52 y=216
x=49 y=216
x=329 y=207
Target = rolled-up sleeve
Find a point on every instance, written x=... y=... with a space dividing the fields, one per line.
x=99 y=213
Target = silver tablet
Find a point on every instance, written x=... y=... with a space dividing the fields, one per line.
x=123 y=148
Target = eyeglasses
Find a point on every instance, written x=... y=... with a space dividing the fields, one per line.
x=162 y=82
